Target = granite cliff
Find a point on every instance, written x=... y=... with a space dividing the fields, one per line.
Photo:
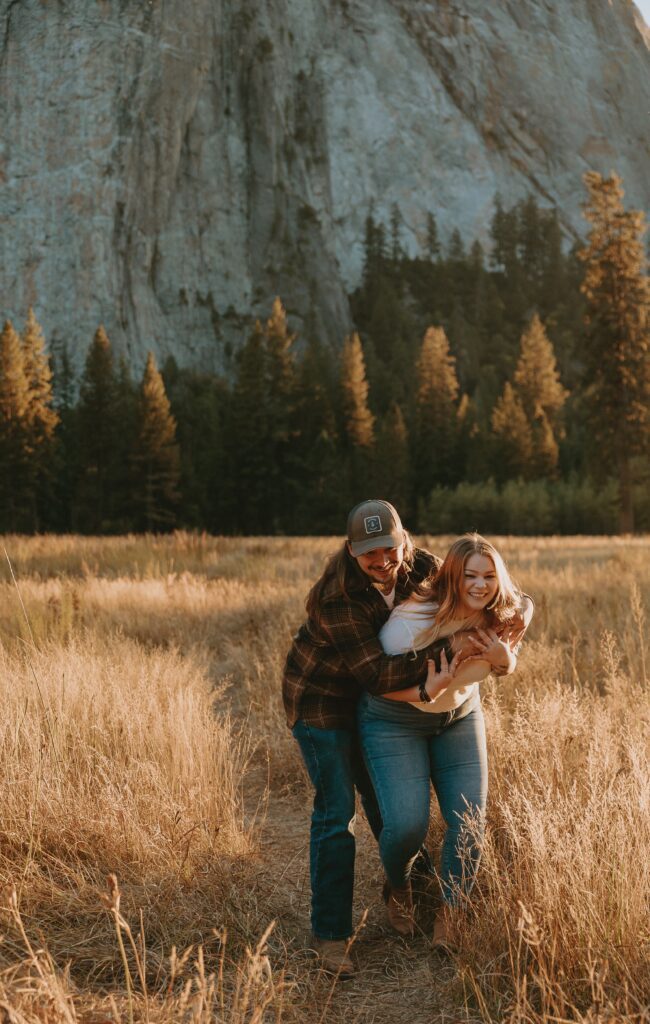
x=167 y=166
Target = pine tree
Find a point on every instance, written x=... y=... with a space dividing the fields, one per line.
x=97 y=431
x=545 y=453
x=456 y=246
x=473 y=452
x=530 y=240
x=617 y=358
x=393 y=474
x=436 y=423
x=358 y=420
x=433 y=242
x=201 y=405
x=249 y=433
x=41 y=418
x=513 y=448
x=156 y=455
x=536 y=377
x=64 y=391
x=503 y=233
x=538 y=386
x=15 y=473
x=357 y=475
x=396 y=251
x=281 y=399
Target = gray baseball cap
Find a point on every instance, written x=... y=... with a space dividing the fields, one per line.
x=374 y=524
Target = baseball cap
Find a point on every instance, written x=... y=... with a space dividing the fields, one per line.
x=374 y=524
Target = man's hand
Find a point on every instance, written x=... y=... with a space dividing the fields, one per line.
x=437 y=682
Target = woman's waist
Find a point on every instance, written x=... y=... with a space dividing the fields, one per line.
x=450 y=700
x=371 y=706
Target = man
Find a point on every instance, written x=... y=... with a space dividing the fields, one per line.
x=334 y=657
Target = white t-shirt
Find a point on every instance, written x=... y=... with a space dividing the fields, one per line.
x=403 y=632
x=388 y=598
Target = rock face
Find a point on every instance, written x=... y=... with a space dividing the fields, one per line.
x=168 y=166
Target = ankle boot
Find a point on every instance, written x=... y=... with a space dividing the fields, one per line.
x=399 y=908
x=442 y=939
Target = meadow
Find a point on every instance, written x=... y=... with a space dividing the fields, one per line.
x=153 y=837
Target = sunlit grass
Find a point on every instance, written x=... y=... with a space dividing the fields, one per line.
x=121 y=750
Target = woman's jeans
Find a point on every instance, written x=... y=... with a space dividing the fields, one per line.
x=335 y=765
x=405 y=750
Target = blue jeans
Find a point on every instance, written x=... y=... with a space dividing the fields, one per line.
x=406 y=750
x=335 y=765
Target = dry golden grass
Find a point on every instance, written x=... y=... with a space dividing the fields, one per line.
x=141 y=709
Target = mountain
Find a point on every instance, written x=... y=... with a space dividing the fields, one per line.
x=168 y=166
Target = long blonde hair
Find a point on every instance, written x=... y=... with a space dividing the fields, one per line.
x=446 y=587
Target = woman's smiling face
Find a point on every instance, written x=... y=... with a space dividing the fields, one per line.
x=479 y=584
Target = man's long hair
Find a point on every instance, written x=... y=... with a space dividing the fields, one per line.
x=342 y=575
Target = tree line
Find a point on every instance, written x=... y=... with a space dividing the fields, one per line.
x=506 y=392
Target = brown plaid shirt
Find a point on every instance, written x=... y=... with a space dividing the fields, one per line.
x=330 y=664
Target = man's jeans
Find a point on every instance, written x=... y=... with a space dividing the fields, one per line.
x=407 y=749
x=335 y=765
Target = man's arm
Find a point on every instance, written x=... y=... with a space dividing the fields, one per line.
x=353 y=634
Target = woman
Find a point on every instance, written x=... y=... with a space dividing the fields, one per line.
x=435 y=732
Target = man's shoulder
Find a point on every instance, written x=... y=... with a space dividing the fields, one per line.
x=333 y=597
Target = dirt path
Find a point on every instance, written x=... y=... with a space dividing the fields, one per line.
x=397 y=981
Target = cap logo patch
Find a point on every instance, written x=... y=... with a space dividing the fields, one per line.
x=372 y=524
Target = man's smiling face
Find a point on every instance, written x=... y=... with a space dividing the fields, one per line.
x=381 y=565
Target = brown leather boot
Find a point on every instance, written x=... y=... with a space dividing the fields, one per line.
x=443 y=940
x=399 y=908
x=334 y=957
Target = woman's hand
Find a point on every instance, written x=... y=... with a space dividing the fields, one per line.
x=495 y=649
x=438 y=681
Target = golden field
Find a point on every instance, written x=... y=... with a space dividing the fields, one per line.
x=143 y=738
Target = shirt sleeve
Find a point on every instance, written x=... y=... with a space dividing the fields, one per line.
x=353 y=635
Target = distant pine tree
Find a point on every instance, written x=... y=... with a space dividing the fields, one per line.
x=617 y=355
x=436 y=423
x=396 y=251
x=393 y=478
x=538 y=386
x=512 y=433
x=64 y=390
x=357 y=465
x=433 y=242
x=545 y=452
x=156 y=454
x=15 y=455
x=42 y=419
x=97 y=429
x=201 y=405
x=536 y=377
x=456 y=246
x=281 y=400
x=359 y=422
x=248 y=434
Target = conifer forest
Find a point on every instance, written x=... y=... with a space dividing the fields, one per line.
x=504 y=389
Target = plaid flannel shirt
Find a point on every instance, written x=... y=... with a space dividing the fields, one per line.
x=331 y=663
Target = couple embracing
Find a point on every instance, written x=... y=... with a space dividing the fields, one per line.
x=381 y=691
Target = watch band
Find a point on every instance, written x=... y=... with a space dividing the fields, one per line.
x=424 y=696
